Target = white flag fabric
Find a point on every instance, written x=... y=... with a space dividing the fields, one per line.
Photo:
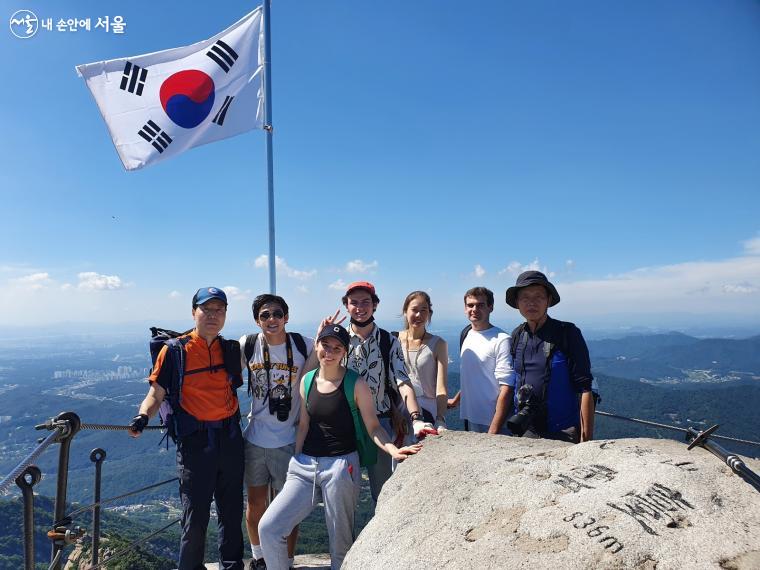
x=160 y=104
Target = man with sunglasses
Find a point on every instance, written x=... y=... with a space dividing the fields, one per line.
x=275 y=360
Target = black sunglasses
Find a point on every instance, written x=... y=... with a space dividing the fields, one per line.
x=277 y=314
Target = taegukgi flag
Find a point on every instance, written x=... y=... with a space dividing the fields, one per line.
x=160 y=104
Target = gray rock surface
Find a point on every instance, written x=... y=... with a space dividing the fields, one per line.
x=302 y=562
x=473 y=501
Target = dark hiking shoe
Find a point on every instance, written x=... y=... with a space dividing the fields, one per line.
x=257 y=564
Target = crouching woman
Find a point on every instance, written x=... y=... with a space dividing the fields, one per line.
x=325 y=466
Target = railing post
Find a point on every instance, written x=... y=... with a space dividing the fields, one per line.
x=27 y=491
x=73 y=423
x=96 y=456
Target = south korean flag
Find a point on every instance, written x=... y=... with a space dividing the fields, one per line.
x=160 y=104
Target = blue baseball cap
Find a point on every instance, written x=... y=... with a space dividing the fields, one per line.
x=205 y=294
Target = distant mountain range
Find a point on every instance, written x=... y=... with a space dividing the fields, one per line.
x=675 y=358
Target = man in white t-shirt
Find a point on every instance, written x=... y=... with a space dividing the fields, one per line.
x=485 y=369
x=275 y=360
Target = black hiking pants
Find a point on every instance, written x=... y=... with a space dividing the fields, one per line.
x=210 y=463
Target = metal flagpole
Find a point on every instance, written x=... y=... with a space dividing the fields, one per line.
x=268 y=129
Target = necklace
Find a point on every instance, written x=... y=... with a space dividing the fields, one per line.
x=413 y=366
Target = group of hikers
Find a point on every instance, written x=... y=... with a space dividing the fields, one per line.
x=322 y=407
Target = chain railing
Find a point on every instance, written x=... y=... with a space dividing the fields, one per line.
x=63 y=532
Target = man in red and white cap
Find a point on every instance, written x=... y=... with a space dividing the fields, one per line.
x=376 y=355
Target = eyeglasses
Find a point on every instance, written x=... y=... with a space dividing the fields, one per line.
x=265 y=315
x=213 y=312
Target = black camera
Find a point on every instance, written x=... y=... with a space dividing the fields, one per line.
x=528 y=408
x=280 y=402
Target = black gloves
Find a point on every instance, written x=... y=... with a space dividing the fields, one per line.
x=138 y=423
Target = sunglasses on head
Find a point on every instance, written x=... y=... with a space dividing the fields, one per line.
x=277 y=314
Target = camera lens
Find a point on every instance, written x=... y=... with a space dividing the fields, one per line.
x=280 y=402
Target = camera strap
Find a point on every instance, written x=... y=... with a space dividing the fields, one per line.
x=268 y=364
x=548 y=353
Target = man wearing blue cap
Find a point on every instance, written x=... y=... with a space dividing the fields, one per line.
x=196 y=377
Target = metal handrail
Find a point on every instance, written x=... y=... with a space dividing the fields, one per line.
x=28 y=461
x=116 y=498
x=25 y=475
x=130 y=546
x=674 y=428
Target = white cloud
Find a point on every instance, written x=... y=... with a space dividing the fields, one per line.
x=262 y=262
x=34 y=281
x=515 y=268
x=569 y=265
x=91 y=281
x=479 y=271
x=752 y=246
x=338 y=285
x=359 y=266
x=175 y=294
x=236 y=294
x=302 y=289
x=741 y=288
x=700 y=287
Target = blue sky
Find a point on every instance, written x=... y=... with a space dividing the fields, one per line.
x=429 y=145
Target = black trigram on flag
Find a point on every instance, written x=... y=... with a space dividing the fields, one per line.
x=152 y=133
x=223 y=55
x=222 y=112
x=133 y=79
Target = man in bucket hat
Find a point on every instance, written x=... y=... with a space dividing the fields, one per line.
x=552 y=393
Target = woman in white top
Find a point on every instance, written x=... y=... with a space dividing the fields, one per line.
x=426 y=357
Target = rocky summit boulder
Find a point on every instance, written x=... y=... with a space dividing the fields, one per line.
x=474 y=501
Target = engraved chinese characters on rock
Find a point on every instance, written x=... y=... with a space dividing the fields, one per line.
x=587 y=523
x=582 y=477
x=682 y=465
x=658 y=504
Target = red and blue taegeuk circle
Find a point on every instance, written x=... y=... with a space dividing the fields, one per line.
x=187 y=97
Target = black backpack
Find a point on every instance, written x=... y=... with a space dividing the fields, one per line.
x=463 y=335
x=176 y=420
x=385 y=352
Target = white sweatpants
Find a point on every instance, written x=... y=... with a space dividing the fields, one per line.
x=332 y=480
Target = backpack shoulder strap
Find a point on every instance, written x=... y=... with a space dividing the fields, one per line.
x=308 y=382
x=250 y=344
x=385 y=352
x=463 y=335
x=349 y=383
x=300 y=344
x=561 y=342
x=176 y=352
x=515 y=339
